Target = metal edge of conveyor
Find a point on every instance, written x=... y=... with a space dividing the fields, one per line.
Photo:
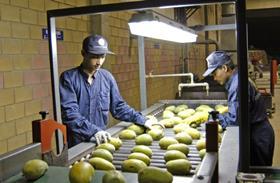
x=206 y=169
x=227 y=159
x=210 y=102
x=229 y=155
x=79 y=151
x=12 y=162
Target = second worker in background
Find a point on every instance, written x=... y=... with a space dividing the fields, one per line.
x=221 y=67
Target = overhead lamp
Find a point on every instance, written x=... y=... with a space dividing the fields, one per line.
x=154 y=25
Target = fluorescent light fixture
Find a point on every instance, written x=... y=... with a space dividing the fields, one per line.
x=153 y=25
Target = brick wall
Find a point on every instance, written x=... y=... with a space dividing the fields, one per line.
x=260 y=4
x=24 y=63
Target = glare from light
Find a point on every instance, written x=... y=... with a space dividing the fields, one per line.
x=160 y=30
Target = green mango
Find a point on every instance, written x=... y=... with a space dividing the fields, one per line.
x=81 y=172
x=133 y=165
x=144 y=139
x=154 y=175
x=113 y=176
x=143 y=149
x=101 y=164
x=127 y=134
x=179 y=167
x=109 y=147
x=33 y=169
x=141 y=156
x=180 y=147
x=166 y=141
x=102 y=153
x=115 y=142
x=174 y=154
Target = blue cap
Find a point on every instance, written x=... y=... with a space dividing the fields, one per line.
x=96 y=44
x=216 y=59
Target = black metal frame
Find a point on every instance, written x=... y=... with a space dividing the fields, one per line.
x=244 y=128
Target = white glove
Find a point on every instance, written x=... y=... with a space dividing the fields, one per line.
x=150 y=122
x=102 y=137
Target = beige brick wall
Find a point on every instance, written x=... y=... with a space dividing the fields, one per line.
x=25 y=87
x=260 y=4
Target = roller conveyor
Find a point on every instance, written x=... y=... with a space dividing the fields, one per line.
x=84 y=149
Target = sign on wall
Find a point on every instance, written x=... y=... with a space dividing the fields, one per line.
x=59 y=34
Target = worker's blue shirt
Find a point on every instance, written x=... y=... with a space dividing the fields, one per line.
x=85 y=106
x=256 y=110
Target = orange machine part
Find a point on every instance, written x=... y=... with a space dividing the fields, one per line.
x=48 y=127
x=274 y=71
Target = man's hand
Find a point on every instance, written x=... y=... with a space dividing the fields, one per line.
x=102 y=137
x=151 y=122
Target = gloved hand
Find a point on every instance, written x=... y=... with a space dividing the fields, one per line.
x=151 y=122
x=102 y=137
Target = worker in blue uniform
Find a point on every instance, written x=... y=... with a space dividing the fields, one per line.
x=88 y=93
x=221 y=67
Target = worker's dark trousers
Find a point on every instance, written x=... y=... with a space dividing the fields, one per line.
x=262 y=144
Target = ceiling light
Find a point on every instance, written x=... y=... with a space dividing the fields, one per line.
x=153 y=25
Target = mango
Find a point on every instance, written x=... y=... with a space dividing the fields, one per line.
x=33 y=169
x=133 y=165
x=183 y=137
x=180 y=127
x=116 y=142
x=186 y=113
x=101 y=164
x=200 y=144
x=180 y=147
x=168 y=123
x=137 y=129
x=143 y=149
x=111 y=148
x=194 y=133
x=113 y=176
x=177 y=120
x=102 y=153
x=220 y=129
x=154 y=175
x=174 y=154
x=205 y=108
x=144 y=139
x=141 y=156
x=167 y=114
x=202 y=153
x=81 y=172
x=179 y=167
x=127 y=134
x=166 y=141
x=170 y=108
x=156 y=134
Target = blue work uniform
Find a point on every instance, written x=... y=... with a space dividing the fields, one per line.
x=262 y=134
x=85 y=107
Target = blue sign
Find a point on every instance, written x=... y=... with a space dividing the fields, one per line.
x=59 y=34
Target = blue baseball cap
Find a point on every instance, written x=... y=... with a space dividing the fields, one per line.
x=96 y=44
x=216 y=59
